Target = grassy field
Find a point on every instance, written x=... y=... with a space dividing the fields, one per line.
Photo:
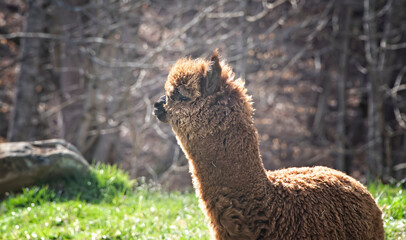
x=107 y=205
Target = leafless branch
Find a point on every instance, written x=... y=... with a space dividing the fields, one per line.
x=400 y=118
x=266 y=8
x=56 y=37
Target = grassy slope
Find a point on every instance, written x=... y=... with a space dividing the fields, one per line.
x=108 y=207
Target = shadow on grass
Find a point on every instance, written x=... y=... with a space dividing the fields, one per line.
x=103 y=183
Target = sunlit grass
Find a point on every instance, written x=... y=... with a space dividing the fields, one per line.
x=392 y=200
x=145 y=216
x=107 y=205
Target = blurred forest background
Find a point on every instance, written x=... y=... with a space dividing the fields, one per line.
x=328 y=78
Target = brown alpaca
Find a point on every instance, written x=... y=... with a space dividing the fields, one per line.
x=211 y=115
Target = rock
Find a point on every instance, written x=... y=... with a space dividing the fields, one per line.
x=25 y=163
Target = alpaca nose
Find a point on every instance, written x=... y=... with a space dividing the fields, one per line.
x=159 y=110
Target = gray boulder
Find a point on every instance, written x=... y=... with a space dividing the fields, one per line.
x=25 y=163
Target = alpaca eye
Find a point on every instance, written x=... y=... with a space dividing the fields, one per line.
x=176 y=95
x=183 y=98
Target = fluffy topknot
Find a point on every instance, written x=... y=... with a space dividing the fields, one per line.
x=190 y=75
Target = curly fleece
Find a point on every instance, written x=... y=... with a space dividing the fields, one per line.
x=215 y=128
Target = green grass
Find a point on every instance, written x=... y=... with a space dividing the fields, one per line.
x=106 y=204
x=103 y=205
x=392 y=200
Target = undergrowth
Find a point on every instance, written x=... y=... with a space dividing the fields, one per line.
x=106 y=204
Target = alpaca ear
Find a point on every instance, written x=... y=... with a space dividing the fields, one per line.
x=211 y=82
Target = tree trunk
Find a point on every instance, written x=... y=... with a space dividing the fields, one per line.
x=341 y=141
x=319 y=123
x=375 y=118
x=26 y=122
x=242 y=63
x=71 y=80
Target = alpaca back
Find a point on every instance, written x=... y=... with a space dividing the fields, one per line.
x=321 y=203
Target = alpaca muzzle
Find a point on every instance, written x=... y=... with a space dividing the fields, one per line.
x=159 y=110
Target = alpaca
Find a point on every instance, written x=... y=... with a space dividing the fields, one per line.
x=211 y=116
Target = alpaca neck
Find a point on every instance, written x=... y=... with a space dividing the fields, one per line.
x=228 y=160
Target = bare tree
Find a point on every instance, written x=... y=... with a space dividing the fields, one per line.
x=340 y=162
x=27 y=123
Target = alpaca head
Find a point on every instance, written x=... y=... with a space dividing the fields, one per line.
x=202 y=97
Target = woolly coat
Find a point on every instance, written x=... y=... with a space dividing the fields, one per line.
x=211 y=115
